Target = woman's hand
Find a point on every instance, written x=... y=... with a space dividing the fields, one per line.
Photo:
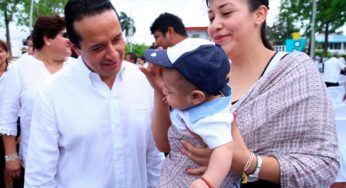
x=202 y=155
x=198 y=155
x=12 y=171
x=13 y=168
x=240 y=151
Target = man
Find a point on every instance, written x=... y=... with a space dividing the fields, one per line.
x=332 y=69
x=90 y=125
x=168 y=30
x=131 y=57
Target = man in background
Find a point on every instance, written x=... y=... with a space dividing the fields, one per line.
x=168 y=30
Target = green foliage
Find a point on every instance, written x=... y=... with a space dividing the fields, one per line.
x=20 y=9
x=331 y=14
x=137 y=48
x=284 y=26
x=41 y=8
x=126 y=23
x=12 y=7
x=319 y=52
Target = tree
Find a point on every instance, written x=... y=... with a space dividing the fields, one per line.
x=126 y=23
x=284 y=25
x=41 y=8
x=20 y=9
x=138 y=49
x=9 y=7
x=331 y=14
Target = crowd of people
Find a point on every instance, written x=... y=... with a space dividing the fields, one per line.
x=230 y=112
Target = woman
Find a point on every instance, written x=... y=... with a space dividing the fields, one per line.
x=24 y=77
x=284 y=115
x=3 y=59
x=3 y=68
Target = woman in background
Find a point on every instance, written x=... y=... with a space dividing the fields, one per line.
x=3 y=68
x=52 y=49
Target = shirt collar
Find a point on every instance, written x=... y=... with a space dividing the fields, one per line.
x=95 y=76
x=207 y=108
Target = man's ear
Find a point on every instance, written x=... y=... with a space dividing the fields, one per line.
x=170 y=33
x=75 y=49
x=197 y=97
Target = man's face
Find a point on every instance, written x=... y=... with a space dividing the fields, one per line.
x=30 y=47
x=161 y=40
x=102 y=46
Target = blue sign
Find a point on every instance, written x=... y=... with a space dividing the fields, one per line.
x=295 y=44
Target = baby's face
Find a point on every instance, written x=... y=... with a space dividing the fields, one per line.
x=176 y=90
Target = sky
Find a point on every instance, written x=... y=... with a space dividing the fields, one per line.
x=144 y=12
x=192 y=12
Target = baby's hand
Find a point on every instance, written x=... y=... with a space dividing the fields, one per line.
x=198 y=183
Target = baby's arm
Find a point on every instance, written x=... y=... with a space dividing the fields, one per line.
x=219 y=166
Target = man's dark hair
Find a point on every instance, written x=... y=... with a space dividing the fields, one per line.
x=166 y=20
x=46 y=26
x=25 y=41
x=76 y=10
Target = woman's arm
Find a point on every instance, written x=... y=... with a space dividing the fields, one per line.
x=160 y=120
x=161 y=123
x=12 y=166
x=270 y=170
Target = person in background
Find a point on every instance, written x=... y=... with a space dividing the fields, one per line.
x=284 y=118
x=30 y=45
x=168 y=30
x=3 y=58
x=332 y=70
x=342 y=58
x=141 y=61
x=131 y=57
x=319 y=64
x=22 y=81
x=90 y=125
x=3 y=68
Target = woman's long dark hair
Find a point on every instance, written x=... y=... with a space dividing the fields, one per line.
x=254 y=5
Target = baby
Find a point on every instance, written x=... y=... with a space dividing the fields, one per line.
x=196 y=87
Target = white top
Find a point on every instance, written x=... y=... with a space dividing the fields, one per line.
x=332 y=68
x=1 y=81
x=86 y=135
x=22 y=81
x=210 y=120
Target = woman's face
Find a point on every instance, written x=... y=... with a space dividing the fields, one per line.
x=3 y=56
x=231 y=23
x=60 y=46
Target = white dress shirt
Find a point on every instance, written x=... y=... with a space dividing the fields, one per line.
x=87 y=135
x=22 y=81
x=332 y=68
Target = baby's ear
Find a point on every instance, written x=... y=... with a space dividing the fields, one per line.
x=197 y=97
